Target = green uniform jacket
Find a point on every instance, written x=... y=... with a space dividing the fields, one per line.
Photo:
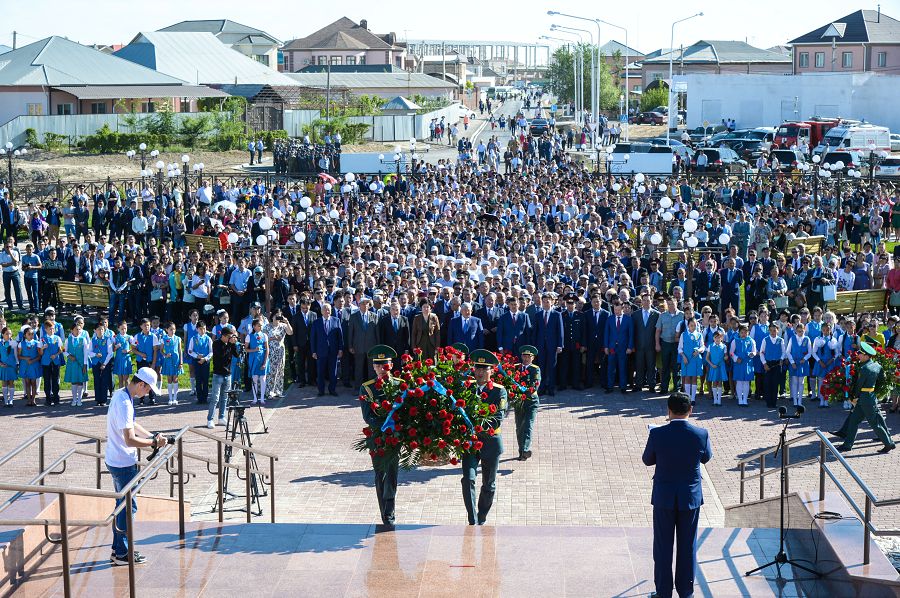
x=533 y=380
x=867 y=376
x=497 y=396
x=374 y=395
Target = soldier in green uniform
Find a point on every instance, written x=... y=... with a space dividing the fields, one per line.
x=863 y=389
x=385 y=467
x=527 y=410
x=484 y=363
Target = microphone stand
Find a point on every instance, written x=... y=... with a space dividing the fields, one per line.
x=782 y=558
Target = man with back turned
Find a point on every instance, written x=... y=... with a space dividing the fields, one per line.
x=677 y=450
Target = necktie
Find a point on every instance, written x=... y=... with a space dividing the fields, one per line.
x=646 y=315
x=465 y=325
x=618 y=322
x=365 y=321
x=546 y=317
x=395 y=324
x=327 y=327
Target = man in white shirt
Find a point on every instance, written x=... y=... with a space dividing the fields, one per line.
x=121 y=451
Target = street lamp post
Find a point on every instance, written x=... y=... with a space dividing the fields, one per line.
x=142 y=152
x=185 y=171
x=816 y=172
x=577 y=32
x=671 y=55
x=595 y=80
x=354 y=195
x=874 y=161
x=10 y=153
x=577 y=81
x=627 y=82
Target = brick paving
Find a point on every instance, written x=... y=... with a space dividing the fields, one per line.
x=586 y=469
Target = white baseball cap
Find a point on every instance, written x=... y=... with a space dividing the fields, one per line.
x=148 y=376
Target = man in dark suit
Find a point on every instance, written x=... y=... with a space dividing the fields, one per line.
x=327 y=343
x=490 y=316
x=707 y=283
x=574 y=334
x=393 y=330
x=677 y=450
x=302 y=320
x=513 y=329
x=362 y=333
x=644 y=323
x=732 y=278
x=548 y=335
x=466 y=329
x=596 y=318
x=618 y=344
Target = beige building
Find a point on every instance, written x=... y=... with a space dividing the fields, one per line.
x=865 y=40
x=715 y=57
x=343 y=43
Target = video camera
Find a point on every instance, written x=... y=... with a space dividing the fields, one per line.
x=169 y=440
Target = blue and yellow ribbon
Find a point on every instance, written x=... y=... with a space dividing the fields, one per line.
x=389 y=423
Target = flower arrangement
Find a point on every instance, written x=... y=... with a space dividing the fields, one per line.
x=837 y=385
x=510 y=376
x=431 y=412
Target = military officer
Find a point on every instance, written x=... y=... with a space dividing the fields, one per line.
x=527 y=410
x=491 y=446
x=385 y=467
x=574 y=344
x=866 y=406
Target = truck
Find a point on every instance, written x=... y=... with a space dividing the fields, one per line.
x=793 y=133
x=861 y=138
x=631 y=158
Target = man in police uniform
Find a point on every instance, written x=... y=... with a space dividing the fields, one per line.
x=527 y=411
x=385 y=467
x=866 y=407
x=484 y=363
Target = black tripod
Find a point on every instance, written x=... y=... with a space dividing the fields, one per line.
x=782 y=558
x=238 y=430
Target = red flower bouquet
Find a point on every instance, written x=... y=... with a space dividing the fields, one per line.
x=837 y=385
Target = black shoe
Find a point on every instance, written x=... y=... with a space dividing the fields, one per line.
x=527 y=455
x=320 y=394
x=521 y=456
x=609 y=391
x=887 y=449
x=333 y=393
x=839 y=434
x=151 y=402
x=844 y=449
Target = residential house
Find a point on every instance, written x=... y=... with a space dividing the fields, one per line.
x=385 y=85
x=343 y=42
x=717 y=57
x=865 y=40
x=249 y=41
x=616 y=55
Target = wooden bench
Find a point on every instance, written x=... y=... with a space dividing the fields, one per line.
x=858 y=302
x=82 y=294
x=812 y=245
x=193 y=242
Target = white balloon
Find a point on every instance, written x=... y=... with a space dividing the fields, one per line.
x=665 y=202
x=635 y=215
x=692 y=241
x=667 y=216
x=328 y=186
x=656 y=238
x=301 y=216
x=334 y=214
x=616 y=187
x=694 y=214
x=276 y=214
x=662 y=187
x=290 y=209
x=232 y=238
x=724 y=238
x=261 y=240
x=300 y=236
x=305 y=202
x=690 y=225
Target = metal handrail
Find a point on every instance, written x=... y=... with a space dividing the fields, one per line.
x=124 y=496
x=825 y=448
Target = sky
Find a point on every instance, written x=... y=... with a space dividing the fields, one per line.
x=762 y=23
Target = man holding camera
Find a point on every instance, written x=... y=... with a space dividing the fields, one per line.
x=225 y=351
x=121 y=451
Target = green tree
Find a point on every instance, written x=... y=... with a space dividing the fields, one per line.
x=194 y=129
x=658 y=96
x=562 y=76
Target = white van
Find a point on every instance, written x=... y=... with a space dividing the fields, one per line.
x=855 y=138
x=631 y=158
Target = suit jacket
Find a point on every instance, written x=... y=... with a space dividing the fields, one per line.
x=399 y=339
x=677 y=450
x=323 y=344
x=302 y=331
x=426 y=335
x=490 y=324
x=362 y=339
x=513 y=333
x=473 y=338
x=731 y=288
x=618 y=338
x=596 y=329
x=548 y=336
x=644 y=336
x=574 y=330
x=706 y=282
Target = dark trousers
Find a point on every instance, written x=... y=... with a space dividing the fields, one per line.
x=102 y=383
x=866 y=408
x=770 y=383
x=116 y=308
x=489 y=455
x=547 y=363
x=326 y=369
x=362 y=369
x=306 y=365
x=645 y=367
x=201 y=374
x=11 y=279
x=31 y=290
x=594 y=366
x=670 y=525
x=347 y=369
x=669 y=366
x=151 y=396
x=570 y=368
x=617 y=365
x=51 y=383
x=526 y=413
x=386 y=486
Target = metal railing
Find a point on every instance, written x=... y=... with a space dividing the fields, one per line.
x=169 y=454
x=825 y=448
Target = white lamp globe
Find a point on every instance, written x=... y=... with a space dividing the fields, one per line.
x=641 y=189
x=232 y=237
x=616 y=187
x=667 y=216
x=265 y=223
x=334 y=214
x=276 y=214
x=662 y=187
x=694 y=214
x=349 y=177
x=300 y=236
x=839 y=164
x=273 y=235
x=373 y=186
x=301 y=216
x=817 y=159
x=690 y=225
x=305 y=202
x=381 y=157
x=639 y=178
x=328 y=186
x=692 y=241
x=656 y=238
x=665 y=202
x=261 y=240
x=724 y=238
x=160 y=164
x=142 y=146
x=635 y=215
x=185 y=158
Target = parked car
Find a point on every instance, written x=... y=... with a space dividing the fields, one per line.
x=895 y=142
x=738 y=134
x=748 y=149
x=850 y=159
x=701 y=134
x=650 y=118
x=788 y=159
x=538 y=126
x=889 y=168
x=766 y=134
x=720 y=159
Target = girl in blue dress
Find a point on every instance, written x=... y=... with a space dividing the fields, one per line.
x=51 y=362
x=690 y=349
x=732 y=333
x=709 y=335
x=825 y=351
x=172 y=357
x=77 y=352
x=798 y=352
x=29 y=364
x=190 y=331
x=759 y=332
x=743 y=352
x=715 y=360
x=122 y=364
x=9 y=366
x=257 y=349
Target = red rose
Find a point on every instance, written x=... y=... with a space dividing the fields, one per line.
x=378 y=384
x=433 y=402
x=403 y=386
x=367 y=431
x=483 y=395
x=406 y=357
x=441 y=444
x=371 y=453
x=454 y=461
x=412 y=432
x=420 y=381
x=413 y=411
x=478 y=429
x=378 y=440
x=846 y=388
x=417 y=351
x=460 y=403
x=386 y=404
x=381 y=452
x=462 y=428
x=431 y=384
x=413 y=445
x=478 y=445
x=433 y=457
x=362 y=397
x=442 y=414
x=429 y=416
x=374 y=406
x=492 y=408
x=449 y=393
x=467 y=445
x=449 y=379
x=492 y=431
x=429 y=362
x=490 y=385
x=426 y=441
x=468 y=383
x=456 y=442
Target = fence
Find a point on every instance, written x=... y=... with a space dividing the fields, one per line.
x=73 y=126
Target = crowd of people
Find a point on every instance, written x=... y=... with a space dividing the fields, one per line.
x=590 y=269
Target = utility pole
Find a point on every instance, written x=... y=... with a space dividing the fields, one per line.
x=14 y=39
x=328 y=91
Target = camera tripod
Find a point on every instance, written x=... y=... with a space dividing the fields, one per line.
x=238 y=430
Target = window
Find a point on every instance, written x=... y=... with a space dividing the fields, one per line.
x=351 y=60
x=637 y=88
x=35 y=109
x=820 y=60
x=335 y=60
x=263 y=58
x=882 y=59
x=64 y=109
x=847 y=60
x=289 y=62
x=804 y=60
x=323 y=60
x=657 y=76
x=362 y=59
x=148 y=107
x=387 y=57
x=98 y=107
